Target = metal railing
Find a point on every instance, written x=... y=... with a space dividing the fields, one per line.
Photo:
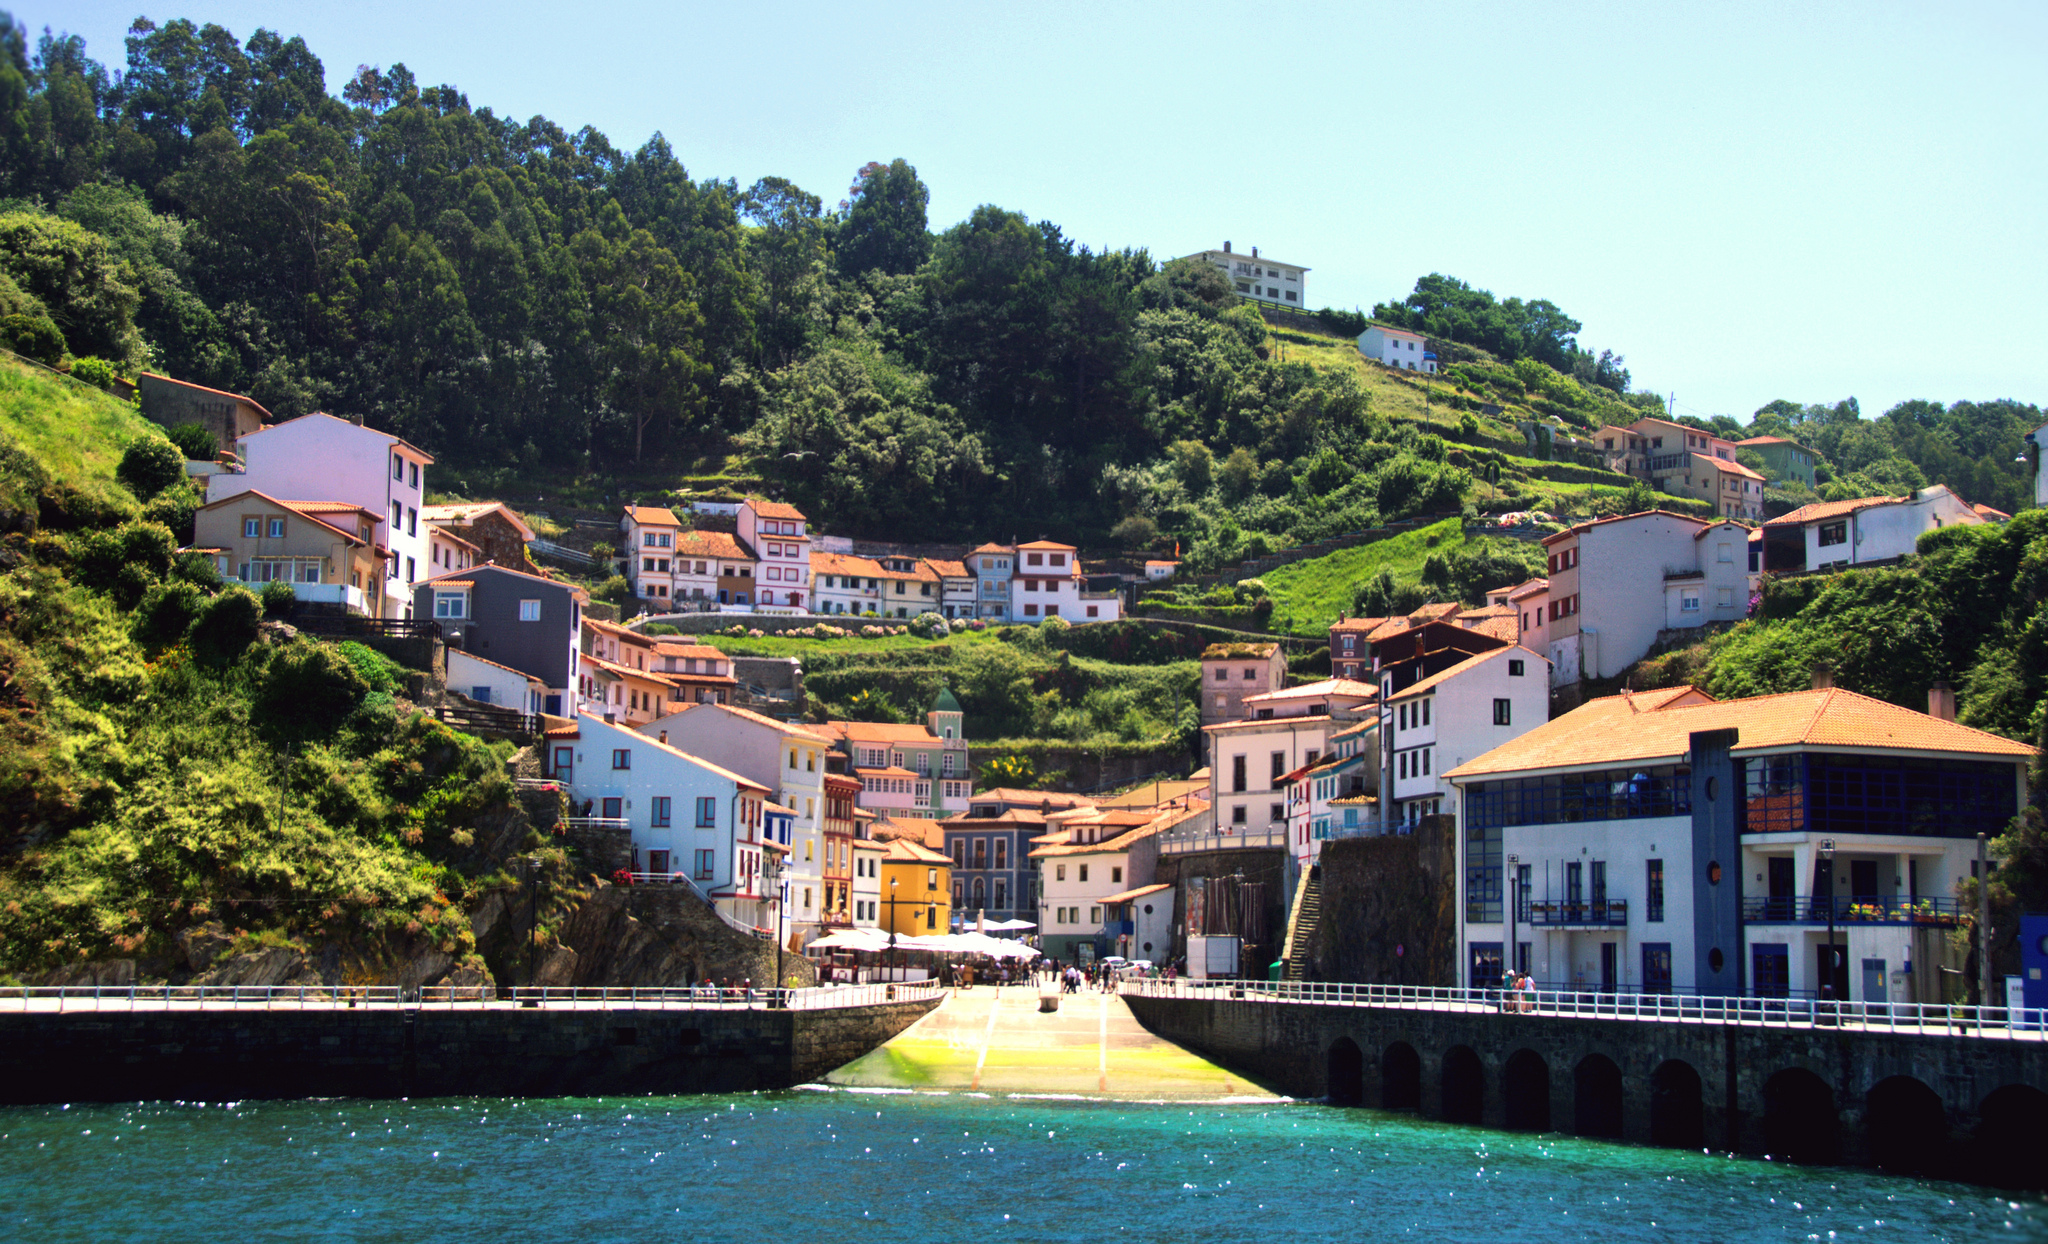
x=1917 y=1018
x=1554 y=913
x=472 y=718
x=1807 y=909
x=326 y=625
x=156 y=998
x=1227 y=839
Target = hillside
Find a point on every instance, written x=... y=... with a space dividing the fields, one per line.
x=189 y=790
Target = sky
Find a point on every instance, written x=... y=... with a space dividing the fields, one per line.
x=1748 y=201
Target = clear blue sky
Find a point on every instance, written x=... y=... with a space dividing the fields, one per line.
x=1749 y=201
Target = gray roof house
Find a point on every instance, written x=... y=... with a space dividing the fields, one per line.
x=518 y=620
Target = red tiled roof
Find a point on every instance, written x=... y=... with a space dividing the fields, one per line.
x=652 y=516
x=774 y=509
x=1829 y=509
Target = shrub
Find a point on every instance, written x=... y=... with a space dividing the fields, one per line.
x=98 y=373
x=377 y=670
x=1135 y=532
x=174 y=509
x=33 y=336
x=198 y=570
x=614 y=590
x=166 y=613
x=1052 y=626
x=63 y=506
x=309 y=688
x=193 y=440
x=930 y=625
x=149 y=465
x=279 y=599
x=227 y=626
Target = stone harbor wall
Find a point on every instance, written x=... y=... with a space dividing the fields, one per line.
x=1379 y=894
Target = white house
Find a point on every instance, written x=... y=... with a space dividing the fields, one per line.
x=1103 y=855
x=788 y=761
x=1455 y=715
x=1664 y=841
x=318 y=457
x=1397 y=347
x=777 y=534
x=956 y=587
x=1832 y=535
x=488 y=682
x=1250 y=760
x=1254 y=276
x=1047 y=583
x=690 y=819
x=992 y=567
x=1615 y=583
x=867 y=882
x=845 y=585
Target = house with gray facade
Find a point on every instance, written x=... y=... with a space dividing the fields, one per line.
x=517 y=620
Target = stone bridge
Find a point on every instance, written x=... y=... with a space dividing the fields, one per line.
x=1948 y=1102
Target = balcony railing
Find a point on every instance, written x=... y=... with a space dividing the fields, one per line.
x=1811 y=910
x=1229 y=838
x=1604 y=913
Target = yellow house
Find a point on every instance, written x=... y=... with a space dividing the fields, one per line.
x=326 y=550
x=917 y=889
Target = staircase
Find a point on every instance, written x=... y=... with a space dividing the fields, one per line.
x=1302 y=923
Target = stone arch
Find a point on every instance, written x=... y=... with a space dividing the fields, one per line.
x=2010 y=1149
x=1907 y=1126
x=1677 y=1111
x=1400 y=1077
x=1346 y=1081
x=1596 y=1097
x=1464 y=1086
x=1800 y=1118
x=1525 y=1092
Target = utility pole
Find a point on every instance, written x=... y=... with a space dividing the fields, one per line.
x=532 y=914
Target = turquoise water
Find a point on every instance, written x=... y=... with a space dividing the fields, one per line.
x=822 y=1167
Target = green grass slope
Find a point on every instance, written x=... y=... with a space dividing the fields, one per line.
x=76 y=432
x=1309 y=595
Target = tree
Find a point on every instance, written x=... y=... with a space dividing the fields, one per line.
x=1237 y=473
x=1135 y=532
x=1195 y=465
x=70 y=271
x=884 y=228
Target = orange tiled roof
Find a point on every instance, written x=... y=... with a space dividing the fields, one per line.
x=876 y=732
x=1045 y=545
x=1625 y=730
x=1829 y=509
x=845 y=564
x=1732 y=468
x=905 y=850
x=774 y=509
x=946 y=569
x=708 y=544
x=652 y=516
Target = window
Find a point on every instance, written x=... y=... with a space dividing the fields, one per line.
x=1653 y=890
x=451 y=604
x=1425 y=711
x=1084 y=873
x=408 y=570
x=277 y=529
x=397 y=467
x=1279 y=762
x=705 y=856
x=1515 y=667
x=1059 y=872
x=657 y=817
x=412 y=522
x=415 y=475
x=1689 y=600
x=252 y=528
x=1275 y=813
x=1834 y=533
x=1503 y=712
x=622 y=758
x=1095 y=915
x=1238 y=815
x=707 y=812
x=529 y=611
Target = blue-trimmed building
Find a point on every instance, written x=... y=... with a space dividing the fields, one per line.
x=1669 y=842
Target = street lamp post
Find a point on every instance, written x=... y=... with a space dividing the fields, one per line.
x=1827 y=855
x=1513 y=897
x=771 y=877
x=532 y=913
x=894 y=954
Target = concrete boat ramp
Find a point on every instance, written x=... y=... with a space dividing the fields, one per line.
x=996 y=1040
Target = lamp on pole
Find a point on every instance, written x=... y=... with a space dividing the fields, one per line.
x=771 y=877
x=1827 y=855
x=894 y=954
x=1514 y=896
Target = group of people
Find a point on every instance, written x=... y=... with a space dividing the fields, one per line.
x=1073 y=978
x=1518 y=992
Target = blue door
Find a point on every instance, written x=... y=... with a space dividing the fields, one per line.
x=1656 y=967
x=1486 y=965
x=1770 y=969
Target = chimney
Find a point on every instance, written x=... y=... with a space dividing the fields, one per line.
x=1226 y=246
x=1941 y=701
x=1255 y=252
x=1823 y=677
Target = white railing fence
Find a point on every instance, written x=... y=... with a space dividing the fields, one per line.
x=1921 y=1018
x=137 y=998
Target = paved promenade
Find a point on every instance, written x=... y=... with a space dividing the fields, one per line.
x=995 y=1040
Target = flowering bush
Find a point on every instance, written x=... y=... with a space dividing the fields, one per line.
x=870 y=631
x=622 y=876
x=755 y=633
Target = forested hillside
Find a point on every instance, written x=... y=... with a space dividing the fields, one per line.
x=549 y=313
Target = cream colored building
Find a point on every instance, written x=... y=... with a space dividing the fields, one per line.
x=1259 y=277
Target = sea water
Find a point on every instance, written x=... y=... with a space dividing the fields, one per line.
x=821 y=1167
